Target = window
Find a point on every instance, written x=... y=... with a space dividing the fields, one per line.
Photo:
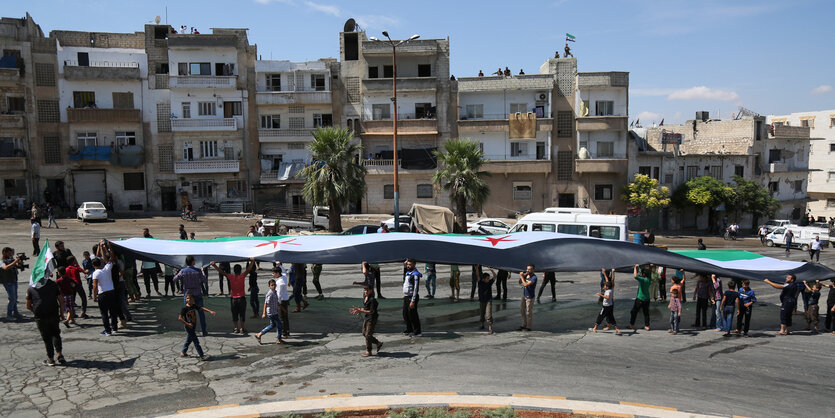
x=774 y=156
x=51 y=150
x=798 y=186
x=423 y=110
x=85 y=139
x=16 y=104
x=166 y=158
x=425 y=191
x=202 y=189
x=296 y=109
x=48 y=111
x=518 y=108
x=317 y=82
x=163 y=117
x=807 y=123
x=296 y=123
x=186 y=110
x=518 y=149
x=83 y=59
x=832 y=147
x=188 y=151
x=831 y=176
x=774 y=187
x=44 y=74
x=274 y=82
x=565 y=165
x=162 y=68
x=605 y=149
x=223 y=69
x=424 y=70
x=716 y=171
x=387 y=71
x=231 y=109
x=474 y=111
x=14 y=187
x=322 y=120
x=543 y=227
x=832 y=121
x=199 y=68
x=388 y=191
x=607 y=232
x=603 y=192
x=645 y=170
x=270 y=121
x=656 y=173
x=236 y=189
x=295 y=145
x=692 y=172
x=123 y=100
x=373 y=72
x=351 y=46
x=208 y=149
x=830 y=203
x=739 y=170
x=565 y=124
x=134 y=181
x=228 y=153
x=604 y=108
x=381 y=112
x=573 y=229
x=522 y=191
x=206 y=108
x=352 y=89
x=125 y=138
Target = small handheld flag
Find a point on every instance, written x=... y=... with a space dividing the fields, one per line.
x=570 y=38
x=43 y=266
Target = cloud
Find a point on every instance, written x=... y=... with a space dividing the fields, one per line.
x=649 y=116
x=823 y=88
x=650 y=92
x=324 y=8
x=703 y=93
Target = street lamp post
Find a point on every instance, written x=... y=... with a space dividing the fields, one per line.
x=394 y=46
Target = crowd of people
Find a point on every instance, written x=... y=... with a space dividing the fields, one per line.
x=112 y=283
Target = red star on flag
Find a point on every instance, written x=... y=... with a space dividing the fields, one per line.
x=495 y=241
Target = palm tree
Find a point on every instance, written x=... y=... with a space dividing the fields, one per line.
x=460 y=162
x=335 y=178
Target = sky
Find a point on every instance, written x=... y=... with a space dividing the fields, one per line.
x=772 y=57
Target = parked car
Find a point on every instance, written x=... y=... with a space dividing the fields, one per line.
x=91 y=210
x=404 y=220
x=489 y=225
x=776 y=223
x=361 y=229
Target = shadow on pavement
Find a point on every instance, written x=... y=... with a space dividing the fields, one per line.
x=101 y=364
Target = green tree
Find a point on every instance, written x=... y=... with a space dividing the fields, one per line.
x=334 y=178
x=753 y=198
x=646 y=193
x=459 y=173
x=704 y=192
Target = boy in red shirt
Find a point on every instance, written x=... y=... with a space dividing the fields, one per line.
x=74 y=272
x=66 y=288
x=237 y=291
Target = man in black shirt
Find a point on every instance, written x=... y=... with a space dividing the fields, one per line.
x=501 y=285
x=44 y=300
x=8 y=277
x=369 y=308
x=61 y=254
x=550 y=277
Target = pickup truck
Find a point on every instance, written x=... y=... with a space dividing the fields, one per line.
x=318 y=219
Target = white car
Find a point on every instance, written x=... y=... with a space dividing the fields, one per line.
x=776 y=223
x=404 y=220
x=91 y=210
x=489 y=225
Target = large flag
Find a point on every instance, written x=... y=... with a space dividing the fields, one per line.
x=548 y=251
x=43 y=266
x=570 y=38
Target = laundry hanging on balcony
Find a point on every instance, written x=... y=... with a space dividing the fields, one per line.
x=92 y=153
x=522 y=125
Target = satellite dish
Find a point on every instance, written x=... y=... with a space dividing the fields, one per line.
x=156 y=20
x=350 y=25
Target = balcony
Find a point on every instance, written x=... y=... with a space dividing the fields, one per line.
x=12 y=163
x=103 y=115
x=207 y=166
x=102 y=70
x=9 y=75
x=534 y=83
x=123 y=155
x=410 y=161
x=204 y=124
x=285 y=135
x=292 y=97
x=203 y=81
x=286 y=173
x=600 y=165
x=603 y=79
x=416 y=47
x=404 y=127
x=12 y=121
x=404 y=84
x=498 y=123
x=789 y=132
x=512 y=165
x=601 y=123
x=785 y=167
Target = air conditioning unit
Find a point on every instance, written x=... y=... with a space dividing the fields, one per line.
x=542 y=97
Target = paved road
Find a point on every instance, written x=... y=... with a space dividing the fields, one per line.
x=139 y=372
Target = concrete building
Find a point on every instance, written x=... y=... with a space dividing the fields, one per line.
x=511 y=118
x=720 y=148
x=821 y=187
x=293 y=100
x=203 y=130
x=426 y=109
x=102 y=79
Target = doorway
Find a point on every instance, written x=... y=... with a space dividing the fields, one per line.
x=168 y=198
x=566 y=200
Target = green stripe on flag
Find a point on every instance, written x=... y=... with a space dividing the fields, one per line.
x=41 y=267
x=720 y=255
x=570 y=36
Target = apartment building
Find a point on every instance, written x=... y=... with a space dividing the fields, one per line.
x=821 y=189
x=511 y=119
x=426 y=109
x=293 y=100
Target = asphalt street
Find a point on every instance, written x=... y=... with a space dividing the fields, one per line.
x=139 y=371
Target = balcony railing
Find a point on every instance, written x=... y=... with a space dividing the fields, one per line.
x=404 y=127
x=601 y=123
x=284 y=133
x=377 y=163
x=102 y=115
x=204 y=124
x=201 y=81
x=105 y=64
x=102 y=70
x=403 y=84
x=292 y=97
x=601 y=165
x=12 y=163
x=517 y=157
x=207 y=166
x=9 y=74
x=13 y=121
x=401 y=116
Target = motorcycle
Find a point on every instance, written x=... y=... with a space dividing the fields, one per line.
x=189 y=216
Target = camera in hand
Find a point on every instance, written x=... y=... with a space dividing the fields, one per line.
x=22 y=257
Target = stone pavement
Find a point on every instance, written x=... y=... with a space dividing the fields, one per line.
x=138 y=371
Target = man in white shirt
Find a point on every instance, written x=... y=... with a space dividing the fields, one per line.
x=815 y=249
x=36 y=237
x=105 y=293
x=260 y=228
x=280 y=277
x=763 y=232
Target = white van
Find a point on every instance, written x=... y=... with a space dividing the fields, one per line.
x=568 y=210
x=803 y=236
x=585 y=224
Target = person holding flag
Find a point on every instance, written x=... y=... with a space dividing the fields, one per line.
x=105 y=291
x=44 y=300
x=568 y=38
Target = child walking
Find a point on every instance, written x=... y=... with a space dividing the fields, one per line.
x=188 y=316
x=675 y=310
x=66 y=286
x=271 y=311
x=812 y=312
x=608 y=310
x=730 y=304
x=369 y=309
